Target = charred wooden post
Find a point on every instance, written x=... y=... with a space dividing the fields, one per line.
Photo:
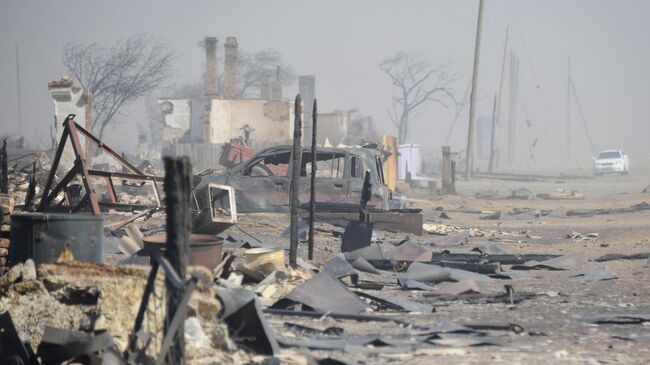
x=4 y=180
x=294 y=189
x=178 y=187
x=312 y=195
x=447 y=173
x=452 y=189
x=366 y=194
x=31 y=191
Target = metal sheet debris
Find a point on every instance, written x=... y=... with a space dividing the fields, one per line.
x=618 y=318
x=426 y=273
x=596 y=275
x=409 y=251
x=573 y=261
x=246 y=323
x=462 y=287
x=618 y=256
x=339 y=268
x=410 y=284
x=324 y=294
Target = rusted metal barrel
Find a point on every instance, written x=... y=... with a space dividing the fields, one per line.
x=42 y=237
x=205 y=249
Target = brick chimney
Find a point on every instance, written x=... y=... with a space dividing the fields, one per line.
x=211 y=85
x=276 y=86
x=230 y=68
x=307 y=91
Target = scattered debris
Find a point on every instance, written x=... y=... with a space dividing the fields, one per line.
x=618 y=318
x=246 y=324
x=596 y=275
x=325 y=294
x=487 y=194
x=573 y=261
x=462 y=287
x=521 y=194
x=618 y=256
x=561 y=195
x=577 y=236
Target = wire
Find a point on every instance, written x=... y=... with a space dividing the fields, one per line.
x=250 y=235
x=582 y=117
x=523 y=42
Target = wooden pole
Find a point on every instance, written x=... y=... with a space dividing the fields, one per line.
x=469 y=158
x=512 y=113
x=312 y=195
x=178 y=172
x=20 y=105
x=446 y=170
x=294 y=188
x=494 y=123
x=568 y=109
x=88 y=125
x=503 y=72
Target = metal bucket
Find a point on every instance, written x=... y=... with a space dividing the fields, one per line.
x=42 y=237
x=205 y=249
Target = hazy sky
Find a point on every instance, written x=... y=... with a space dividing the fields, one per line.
x=342 y=42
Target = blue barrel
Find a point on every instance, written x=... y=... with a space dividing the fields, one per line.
x=42 y=237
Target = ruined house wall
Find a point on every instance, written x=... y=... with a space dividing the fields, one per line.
x=333 y=126
x=177 y=114
x=271 y=121
x=67 y=99
x=362 y=130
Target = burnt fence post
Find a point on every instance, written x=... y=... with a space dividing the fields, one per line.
x=312 y=195
x=294 y=188
x=178 y=172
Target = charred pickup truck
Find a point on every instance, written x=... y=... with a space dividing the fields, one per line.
x=262 y=182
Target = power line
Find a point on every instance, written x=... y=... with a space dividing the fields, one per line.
x=582 y=118
x=523 y=42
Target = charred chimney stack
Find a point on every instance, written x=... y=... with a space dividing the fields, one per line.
x=230 y=68
x=211 y=85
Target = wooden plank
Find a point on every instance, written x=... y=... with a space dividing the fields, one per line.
x=390 y=163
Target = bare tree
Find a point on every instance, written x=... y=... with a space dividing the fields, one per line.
x=253 y=68
x=416 y=83
x=117 y=75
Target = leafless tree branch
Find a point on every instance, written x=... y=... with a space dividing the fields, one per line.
x=416 y=83
x=118 y=75
x=253 y=68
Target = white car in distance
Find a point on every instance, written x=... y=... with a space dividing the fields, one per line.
x=611 y=161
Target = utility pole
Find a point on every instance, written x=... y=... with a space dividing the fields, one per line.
x=500 y=94
x=568 y=110
x=472 y=99
x=494 y=122
x=20 y=107
x=512 y=113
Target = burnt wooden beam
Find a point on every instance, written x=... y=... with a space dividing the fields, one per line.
x=294 y=188
x=178 y=187
x=312 y=192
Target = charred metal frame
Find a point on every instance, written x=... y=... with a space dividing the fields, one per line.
x=71 y=131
